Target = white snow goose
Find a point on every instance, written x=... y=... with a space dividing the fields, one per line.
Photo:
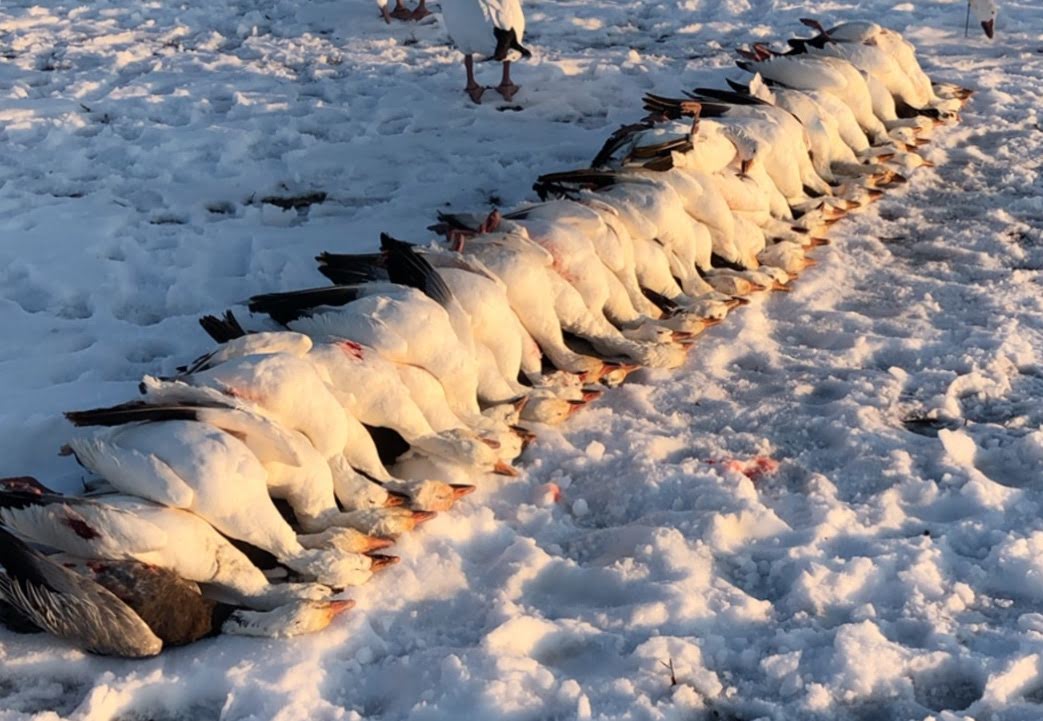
x=893 y=43
x=404 y=324
x=294 y=393
x=584 y=292
x=473 y=296
x=118 y=527
x=492 y=29
x=296 y=471
x=369 y=388
x=829 y=74
x=193 y=466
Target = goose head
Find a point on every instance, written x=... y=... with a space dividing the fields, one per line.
x=292 y=619
x=348 y=540
x=437 y=495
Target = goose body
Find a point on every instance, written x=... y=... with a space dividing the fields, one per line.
x=401 y=323
x=829 y=74
x=370 y=387
x=476 y=26
x=471 y=294
x=582 y=284
x=525 y=271
x=171 y=538
x=823 y=127
x=195 y=467
x=244 y=344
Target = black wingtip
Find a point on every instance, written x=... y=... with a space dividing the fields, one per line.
x=286 y=307
x=222 y=329
x=408 y=267
x=503 y=44
x=134 y=412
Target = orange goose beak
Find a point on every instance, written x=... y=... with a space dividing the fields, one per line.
x=460 y=490
x=504 y=469
x=591 y=395
x=335 y=608
x=381 y=561
x=395 y=499
x=421 y=517
x=375 y=543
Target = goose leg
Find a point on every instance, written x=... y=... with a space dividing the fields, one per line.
x=506 y=88
x=473 y=89
x=385 y=14
x=401 y=11
x=421 y=11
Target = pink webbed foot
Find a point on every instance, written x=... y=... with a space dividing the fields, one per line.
x=420 y=13
x=476 y=92
x=507 y=90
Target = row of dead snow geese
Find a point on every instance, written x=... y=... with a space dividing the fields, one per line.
x=436 y=357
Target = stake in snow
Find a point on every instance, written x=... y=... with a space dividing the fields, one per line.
x=492 y=29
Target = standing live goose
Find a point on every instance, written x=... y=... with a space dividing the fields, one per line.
x=490 y=28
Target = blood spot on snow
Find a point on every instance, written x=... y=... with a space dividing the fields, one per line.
x=548 y=493
x=80 y=528
x=351 y=349
x=755 y=469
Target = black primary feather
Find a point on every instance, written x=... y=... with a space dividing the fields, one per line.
x=350 y=269
x=456 y=221
x=286 y=307
x=566 y=183
x=20 y=562
x=617 y=140
x=222 y=329
x=407 y=267
x=138 y=411
x=738 y=87
x=729 y=96
x=672 y=108
x=507 y=40
x=718 y=262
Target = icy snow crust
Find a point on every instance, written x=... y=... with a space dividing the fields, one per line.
x=880 y=574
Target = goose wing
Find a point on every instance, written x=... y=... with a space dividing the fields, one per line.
x=79 y=526
x=71 y=606
x=131 y=471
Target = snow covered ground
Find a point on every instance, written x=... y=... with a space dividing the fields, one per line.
x=886 y=571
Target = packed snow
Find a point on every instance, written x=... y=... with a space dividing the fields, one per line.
x=888 y=568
